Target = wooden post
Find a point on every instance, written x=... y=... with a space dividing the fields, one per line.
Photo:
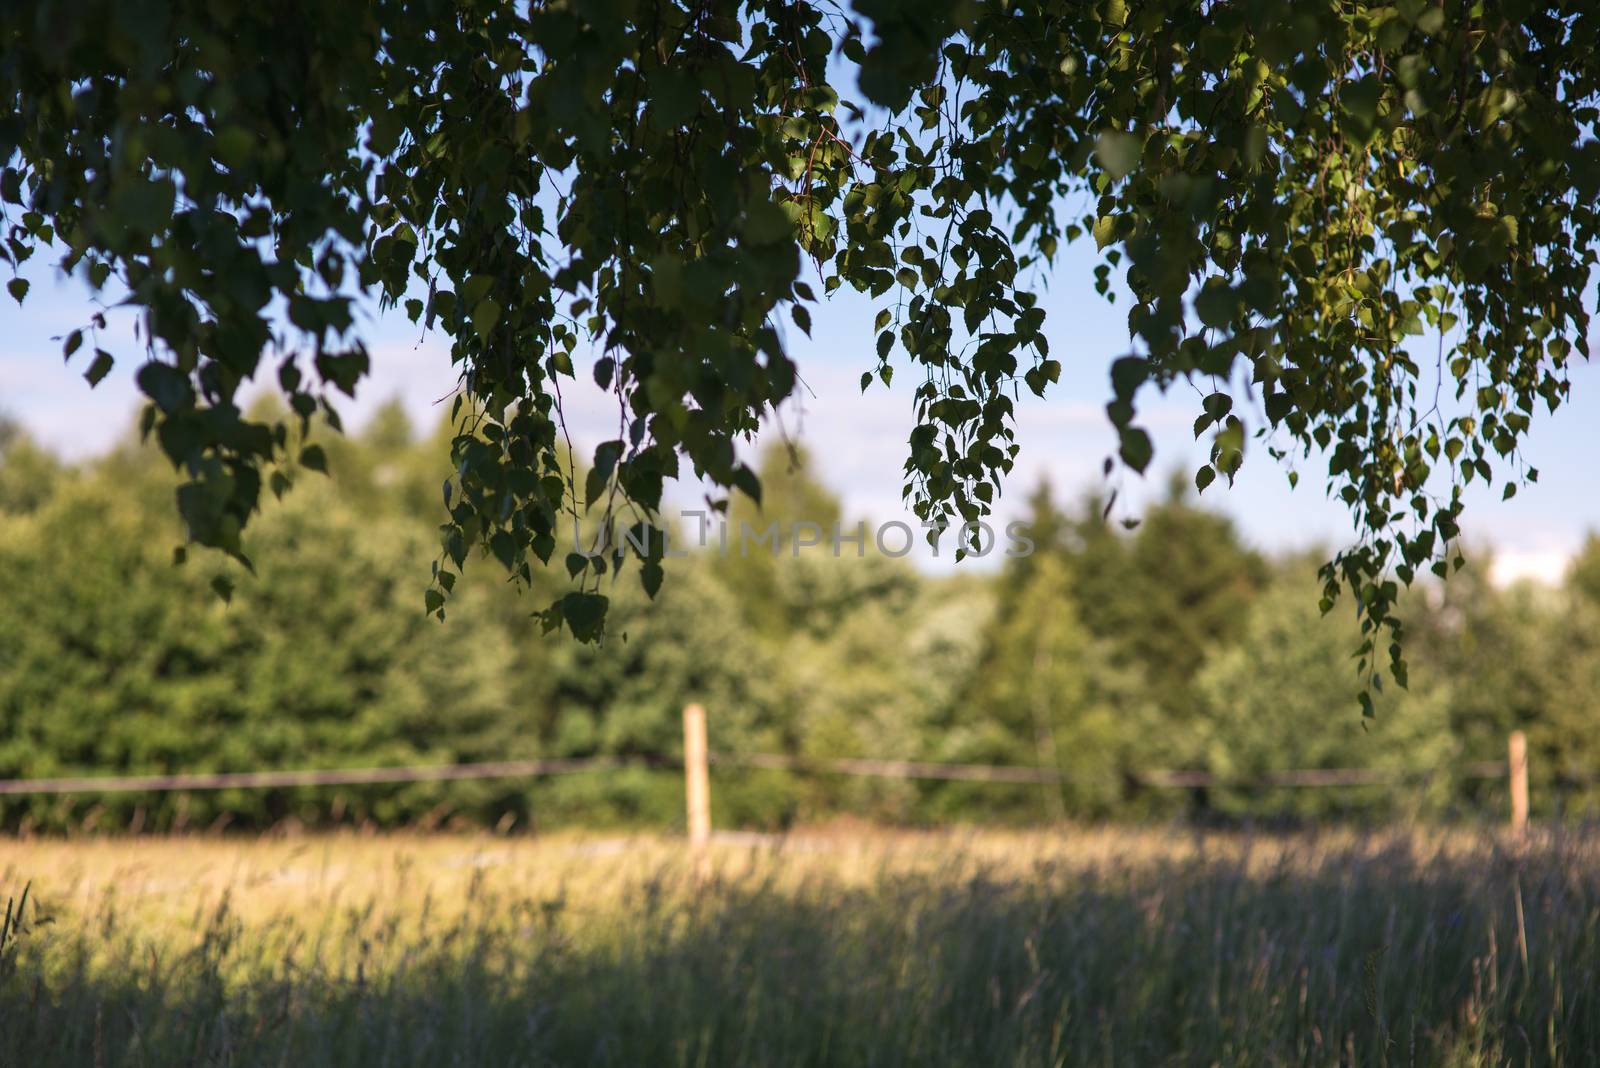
x=1517 y=762
x=697 y=789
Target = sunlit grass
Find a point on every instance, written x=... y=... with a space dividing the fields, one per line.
x=1073 y=947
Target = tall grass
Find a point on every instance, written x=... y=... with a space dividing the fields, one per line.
x=1080 y=948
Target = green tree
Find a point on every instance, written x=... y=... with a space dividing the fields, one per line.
x=878 y=656
x=1068 y=658
x=1291 y=190
x=28 y=474
x=1041 y=698
x=791 y=496
x=1163 y=596
x=1050 y=532
x=1271 y=705
x=1501 y=652
x=123 y=667
x=1584 y=575
x=1545 y=673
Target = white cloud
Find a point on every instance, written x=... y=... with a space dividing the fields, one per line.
x=1547 y=567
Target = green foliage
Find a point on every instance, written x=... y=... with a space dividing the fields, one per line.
x=1266 y=707
x=321 y=659
x=1291 y=191
x=625 y=697
x=1525 y=659
x=1048 y=692
x=28 y=474
x=879 y=666
x=1172 y=594
x=1585 y=575
x=790 y=495
x=1104 y=654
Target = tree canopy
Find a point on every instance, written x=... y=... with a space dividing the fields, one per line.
x=649 y=192
x=1067 y=658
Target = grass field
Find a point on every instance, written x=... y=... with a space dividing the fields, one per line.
x=1094 y=947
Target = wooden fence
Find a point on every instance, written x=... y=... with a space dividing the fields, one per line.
x=698 y=757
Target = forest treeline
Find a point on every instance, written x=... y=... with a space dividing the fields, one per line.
x=1106 y=652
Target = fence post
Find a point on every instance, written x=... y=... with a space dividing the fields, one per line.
x=1517 y=763
x=697 y=789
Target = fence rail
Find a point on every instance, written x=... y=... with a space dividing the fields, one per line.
x=698 y=757
x=230 y=780
x=892 y=769
x=998 y=773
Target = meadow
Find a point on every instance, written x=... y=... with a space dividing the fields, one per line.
x=1071 y=947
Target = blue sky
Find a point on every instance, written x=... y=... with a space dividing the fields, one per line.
x=859 y=439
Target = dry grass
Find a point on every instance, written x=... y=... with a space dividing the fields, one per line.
x=1075 y=947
